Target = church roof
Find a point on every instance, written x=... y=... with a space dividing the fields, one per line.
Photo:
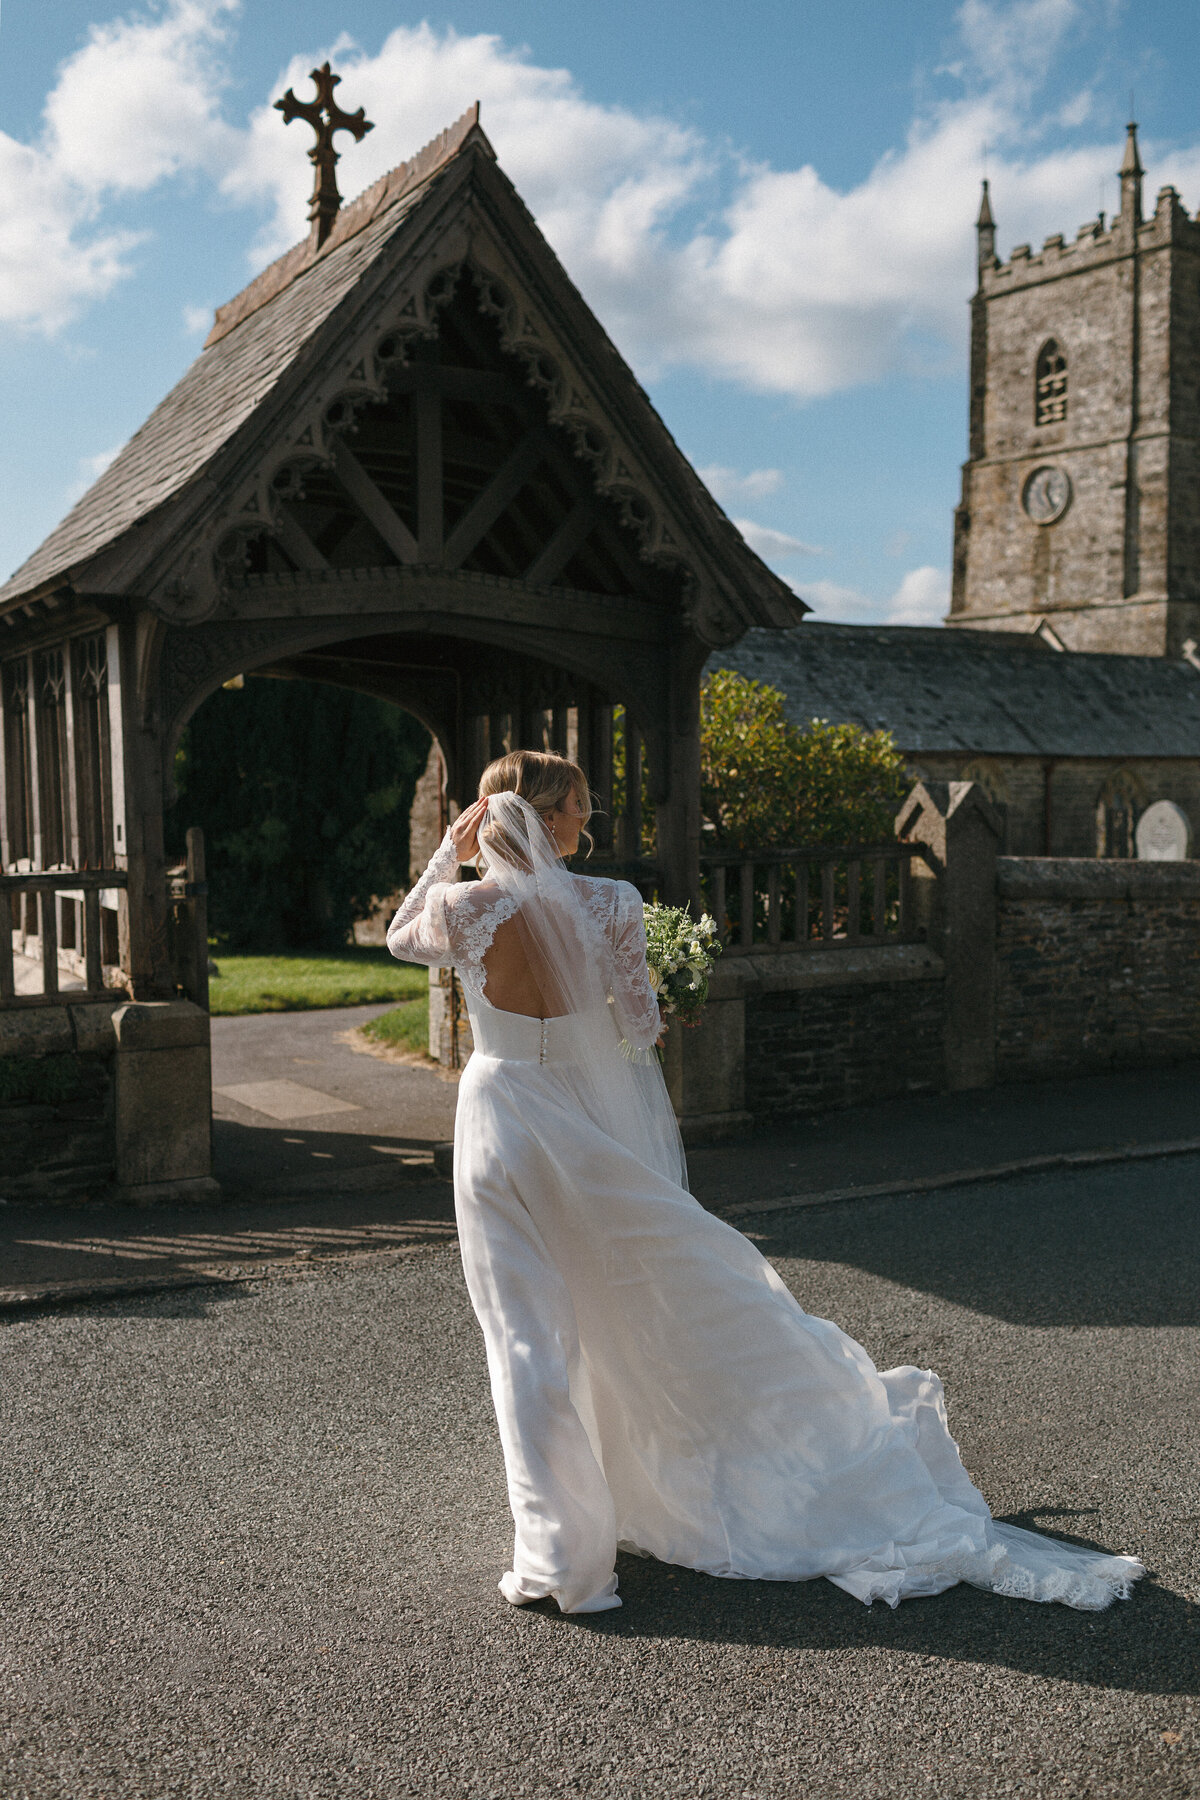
x=986 y=692
x=276 y=332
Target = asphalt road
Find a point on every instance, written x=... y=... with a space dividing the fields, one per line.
x=251 y=1539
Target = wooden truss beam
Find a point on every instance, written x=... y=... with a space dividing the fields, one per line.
x=373 y=505
x=500 y=491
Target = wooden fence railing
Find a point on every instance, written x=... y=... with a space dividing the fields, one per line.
x=31 y=907
x=823 y=897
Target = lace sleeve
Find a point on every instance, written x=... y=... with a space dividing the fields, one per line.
x=634 y=1000
x=418 y=933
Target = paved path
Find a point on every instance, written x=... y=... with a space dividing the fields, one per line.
x=251 y=1538
x=349 y=1111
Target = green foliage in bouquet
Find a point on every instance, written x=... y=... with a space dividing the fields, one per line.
x=680 y=952
x=766 y=782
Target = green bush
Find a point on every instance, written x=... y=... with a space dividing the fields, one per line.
x=765 y=782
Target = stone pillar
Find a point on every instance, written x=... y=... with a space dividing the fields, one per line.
x=956 y=901
x=163 y=1103
x=705 y=1067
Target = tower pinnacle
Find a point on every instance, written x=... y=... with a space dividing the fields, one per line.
x=985 y=226
x=1131 y=173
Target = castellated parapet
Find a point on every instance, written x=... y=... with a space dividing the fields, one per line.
x=1081 y=494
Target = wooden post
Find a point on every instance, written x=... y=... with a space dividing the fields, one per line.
x=429 y=473
x=35 y=786
x=629 y=826
x=599 y=755
x=72 y=848
x=145 y=944
x=197 y=889
x=678 y=784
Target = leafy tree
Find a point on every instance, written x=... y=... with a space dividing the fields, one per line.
x=303 y=791
x=766 y=782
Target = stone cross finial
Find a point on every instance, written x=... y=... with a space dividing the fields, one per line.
x=325 y=116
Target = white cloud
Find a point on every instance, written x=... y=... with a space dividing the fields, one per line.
x=786 y=285
x=774 y=545
x=769 y=278
x=727 y=484
x=838 y=605
x=133 y=107
x=139 y=102
x=197 y=320
x=923 y=598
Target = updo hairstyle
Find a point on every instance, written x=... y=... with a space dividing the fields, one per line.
x=544 y=779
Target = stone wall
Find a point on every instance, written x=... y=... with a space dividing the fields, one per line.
x=1097 y=966
x=56 y=1102
x=793 y=1032
x=106 y=1100
x=812 y=1049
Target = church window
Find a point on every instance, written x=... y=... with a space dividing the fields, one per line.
x=1051 y=384
x=1117 y=808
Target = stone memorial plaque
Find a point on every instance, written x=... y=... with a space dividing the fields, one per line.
x=1047 y=495
x=1164 y=833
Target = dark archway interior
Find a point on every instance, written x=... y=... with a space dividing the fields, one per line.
x=303 y=790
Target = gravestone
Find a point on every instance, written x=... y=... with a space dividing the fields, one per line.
x=1164 y=833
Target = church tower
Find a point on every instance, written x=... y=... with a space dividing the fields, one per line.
x=1081 y=493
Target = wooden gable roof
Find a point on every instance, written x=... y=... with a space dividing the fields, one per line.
x=297 y=326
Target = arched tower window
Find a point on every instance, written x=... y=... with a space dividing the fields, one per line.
x=1051 y=384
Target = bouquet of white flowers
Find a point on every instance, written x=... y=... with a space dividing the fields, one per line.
x=680 y=953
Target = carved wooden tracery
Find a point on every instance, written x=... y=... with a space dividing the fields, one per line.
x=455 y=442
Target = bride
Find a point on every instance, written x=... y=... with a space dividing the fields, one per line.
x=657 y=1387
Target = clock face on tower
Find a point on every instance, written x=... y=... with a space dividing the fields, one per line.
x=1047 y=495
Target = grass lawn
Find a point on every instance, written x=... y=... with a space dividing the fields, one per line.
x=359 y=977
x=406 y=1027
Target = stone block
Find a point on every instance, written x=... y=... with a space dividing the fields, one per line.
x=36 y=1031
x=163 y=1095
x=705 y=1072
x=92 y=1025
x=160 y=1025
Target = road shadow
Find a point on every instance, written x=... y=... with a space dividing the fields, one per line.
x=1149 y=1644
x=1114 y=1246
x=258 y=1160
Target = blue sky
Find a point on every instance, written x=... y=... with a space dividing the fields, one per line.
x=770 y=208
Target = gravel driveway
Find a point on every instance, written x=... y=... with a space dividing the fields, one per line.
x=252 y=1537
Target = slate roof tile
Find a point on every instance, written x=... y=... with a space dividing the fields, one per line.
x=987 y=693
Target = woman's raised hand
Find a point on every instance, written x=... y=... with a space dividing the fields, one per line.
x=464 y=833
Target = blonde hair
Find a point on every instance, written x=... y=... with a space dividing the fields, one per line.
x=543 y=778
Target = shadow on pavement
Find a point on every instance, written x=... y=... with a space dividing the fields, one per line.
x=265 y=1160
x=1114 y=1246
x=1149 y=1644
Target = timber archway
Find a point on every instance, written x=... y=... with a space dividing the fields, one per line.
x=409 y=461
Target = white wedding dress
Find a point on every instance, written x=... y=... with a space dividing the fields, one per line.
x=657 y=1387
